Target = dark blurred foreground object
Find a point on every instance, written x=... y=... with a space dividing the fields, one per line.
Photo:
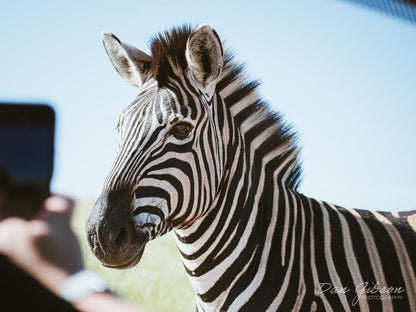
x=403 y=9
x=19 y=292
x=26 y=157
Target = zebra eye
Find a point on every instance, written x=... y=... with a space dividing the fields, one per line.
x=181 y=130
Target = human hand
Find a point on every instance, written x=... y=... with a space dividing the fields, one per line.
x=45 y=247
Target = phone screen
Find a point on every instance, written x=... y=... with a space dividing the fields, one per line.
x=26 y=158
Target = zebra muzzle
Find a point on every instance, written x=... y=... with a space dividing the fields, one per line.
x=114 y=237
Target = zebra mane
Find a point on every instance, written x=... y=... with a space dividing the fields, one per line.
x=168 y=53
x=168 y=60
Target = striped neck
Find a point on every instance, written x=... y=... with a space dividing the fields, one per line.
x=294 y=253
x=230 y=248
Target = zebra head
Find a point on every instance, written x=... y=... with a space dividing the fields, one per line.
x=171 y=153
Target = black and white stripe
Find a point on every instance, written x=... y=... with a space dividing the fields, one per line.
x=228 y=188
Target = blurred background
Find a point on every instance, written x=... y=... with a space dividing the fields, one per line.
x=342 y=74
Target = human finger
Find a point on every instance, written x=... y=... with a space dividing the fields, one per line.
x=11 y=229
x=57 y=209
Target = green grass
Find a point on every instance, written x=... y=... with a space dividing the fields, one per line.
x=158 y=282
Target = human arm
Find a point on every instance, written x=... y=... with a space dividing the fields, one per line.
x=48 y=250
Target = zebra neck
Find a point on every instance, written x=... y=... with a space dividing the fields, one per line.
x=253 y=216
x=272 y=248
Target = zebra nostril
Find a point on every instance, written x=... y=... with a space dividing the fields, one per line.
x=123 y=237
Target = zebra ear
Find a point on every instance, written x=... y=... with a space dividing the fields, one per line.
x=132 y=64
x=204 y=55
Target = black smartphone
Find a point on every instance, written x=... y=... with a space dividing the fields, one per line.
x=26 y=157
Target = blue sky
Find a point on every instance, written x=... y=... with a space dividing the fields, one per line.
x=343 y=76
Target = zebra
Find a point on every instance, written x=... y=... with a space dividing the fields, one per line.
x=201 y=154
